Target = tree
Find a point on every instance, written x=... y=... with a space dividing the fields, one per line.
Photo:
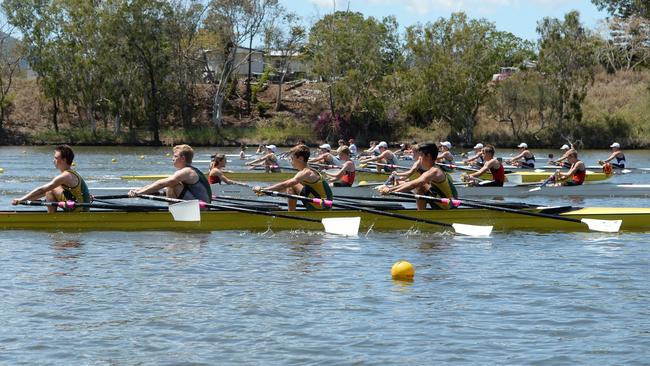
x=286 y=39
x=353 y=55
x=626 y=43
x=233 y=22
x=567 y=58
x=10 y=56
x=625 y=8
x=452 y=63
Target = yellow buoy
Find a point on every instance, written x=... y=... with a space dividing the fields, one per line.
x=74 y=163
x=2 y=170
x=141 y=157
x=113 y=160
x=168 y=154
x=402 y=270
x=363 y=183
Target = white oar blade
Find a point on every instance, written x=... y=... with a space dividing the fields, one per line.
x=514 y=178
x=535 y=189
x=348 y=226
x=472 y=230
x=186 y=211
x=606 y=226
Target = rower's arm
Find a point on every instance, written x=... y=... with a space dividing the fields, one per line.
x=172 y=180
x=517 y=157
x=475 y=157
x=341 y=172
x=484 y=169
x=611 y=157
x=571 y=172
x=42 y=190
x=409 y=172
x=409 y=186
x=258 y=160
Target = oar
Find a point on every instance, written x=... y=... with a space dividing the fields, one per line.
x=348 y=226
x=608 y=226
x=545 y=182
x=471 y=230
x=72 y=205
x=391 y=166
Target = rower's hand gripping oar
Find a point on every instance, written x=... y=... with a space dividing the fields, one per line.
x=546 y=181
x=470 y=230
x=183 y=210
x=607 y=226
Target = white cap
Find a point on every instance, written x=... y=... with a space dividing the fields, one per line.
x=382 y=144
x=523 y=145
x=478 y=146
x=616 y=145
x=272 y=147
x=326 y=147
x=402 y=145
x=565 y=147
x=446 y=144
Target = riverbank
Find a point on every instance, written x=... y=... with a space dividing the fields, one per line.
x=617 y=108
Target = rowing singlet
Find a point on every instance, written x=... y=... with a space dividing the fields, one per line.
x=214 y=179
x=529 y=162
x=348 y=178
x=444 y=189
x=316 y=189
x=78 y=193
x=498 y=175
x=579 y=177
x=199 y=190
x=620 y=161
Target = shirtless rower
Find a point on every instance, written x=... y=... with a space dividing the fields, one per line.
x=477 y=158
x=563 y=160
x=307 y=182
x=269 y=161
x=326 y=157
x=385 y=156
x=493 y=165
x=432 y=182
x=188 y=183
x=67 y=186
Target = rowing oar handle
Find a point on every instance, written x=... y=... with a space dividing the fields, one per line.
x=457 y=203
x=329 y=204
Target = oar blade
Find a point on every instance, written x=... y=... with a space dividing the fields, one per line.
x=514 y=178
x=186 y=211
x=348 y=226
x=535 y=189
x=606 y=226
x=472 y=230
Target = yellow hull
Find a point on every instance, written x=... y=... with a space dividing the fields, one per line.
x=634 y=219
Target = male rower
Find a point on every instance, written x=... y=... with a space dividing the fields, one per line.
x=269 y=161
x=307 y=182
x=344 y=177
x=445 y=156
x=397 y=177
x=493 y=165
x=432 y=182
x=353 y=148
x=525 y=154
x=216 y=175
x=188 y=183
x=577 y=173
x=617 y=154
x=67 y=186
x=477 y=158
x=326 y=157
x=384 y=156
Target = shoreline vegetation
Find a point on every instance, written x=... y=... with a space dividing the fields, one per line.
x=164 y=74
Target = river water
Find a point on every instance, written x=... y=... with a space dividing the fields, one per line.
x=113 y=298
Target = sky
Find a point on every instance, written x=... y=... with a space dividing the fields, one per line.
x=516 y=16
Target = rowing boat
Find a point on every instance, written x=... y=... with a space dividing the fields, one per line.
x=534 y=176
x=634 y=219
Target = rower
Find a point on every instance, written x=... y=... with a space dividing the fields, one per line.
x=563 y=160
x=617 y=154
x=372 y=150
x=188 y=183
x=493 y=165
x=477 y=158
x=307 y=182
x=341 y=144
x=432 y=182
x=242 y=152
x=526 y=155
x=577 y=172
x=387 y=158
x=67 y=186
x=345 y=176
x=445 y=156
x=401 y=177
x=326 y=157
x=269 y=161
x=353 y=148
x=216 y=175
